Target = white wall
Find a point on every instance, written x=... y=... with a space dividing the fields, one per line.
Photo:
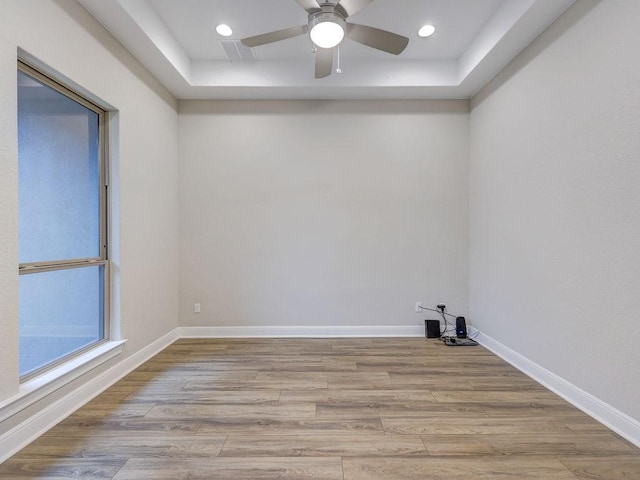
x=62 y=35
x=555 y=202
x=8 y=222
x=322 y=213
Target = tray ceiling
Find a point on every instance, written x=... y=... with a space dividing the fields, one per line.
x=177 y=42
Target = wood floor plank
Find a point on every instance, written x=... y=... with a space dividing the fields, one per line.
x=322 y=445
x=151 y=380
x=357 y=397
x=504 y=383
x=439 y=468
x=261 y=468
x=60 y=468
x=263 y=383
x=385 y=381
x=581 y=423
x=472 y=424
x=209 y=397
x=282 y=411
x=445 y=372
x=323 y=374
x=511 y=409
x=121 y=428
x=397 y=350
x=526 y=396
x=418 y=383
x=264 y=349
x=274 y=359
x=190 y=367
x=604 y=468
x=531 y=443
x=270 y=426
x=295 y=366
x=381 y=409
x=133 y=445
x=116 y=410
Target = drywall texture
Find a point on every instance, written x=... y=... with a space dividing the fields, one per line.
x=322 y=213
x=62 y=35
x=555 y=203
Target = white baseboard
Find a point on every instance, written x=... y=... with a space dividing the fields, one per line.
x=619 y=422
x=318 y=331
x=26 y=432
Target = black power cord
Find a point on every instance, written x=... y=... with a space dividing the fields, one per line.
x=444 y=317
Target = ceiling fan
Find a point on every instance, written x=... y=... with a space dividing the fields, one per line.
x=327 y=26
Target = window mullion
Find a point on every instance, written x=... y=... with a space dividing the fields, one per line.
x=26 y=268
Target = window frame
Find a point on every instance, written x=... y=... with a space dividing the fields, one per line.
x=103 y=259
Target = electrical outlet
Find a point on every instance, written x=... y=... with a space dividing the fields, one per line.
x=418 y=307
x=196 y=308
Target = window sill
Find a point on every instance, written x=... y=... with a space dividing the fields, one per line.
x=41 y=386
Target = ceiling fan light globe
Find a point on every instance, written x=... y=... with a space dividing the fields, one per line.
x=327 y=30
x=327 y=35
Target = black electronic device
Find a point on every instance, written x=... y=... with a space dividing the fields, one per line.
x=432 y=328
x=461 y=327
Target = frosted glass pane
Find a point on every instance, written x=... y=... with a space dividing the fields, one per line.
x=59 y=176
x=60 y=312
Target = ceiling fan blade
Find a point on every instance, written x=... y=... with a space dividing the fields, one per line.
x=324 y=62
x=308 y=5
x=275 y=36
x=376 y=38
x=353 y=6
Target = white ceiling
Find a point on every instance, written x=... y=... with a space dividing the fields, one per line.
x=177 y=41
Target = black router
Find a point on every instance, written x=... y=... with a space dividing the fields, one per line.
x=461 y=333
x=432 y=328
x=461 y=327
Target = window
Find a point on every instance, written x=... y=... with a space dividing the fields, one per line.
x=62 y=205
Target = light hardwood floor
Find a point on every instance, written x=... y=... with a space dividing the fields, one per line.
x=325 y=409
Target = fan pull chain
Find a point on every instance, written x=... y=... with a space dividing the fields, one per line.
x=338 y=70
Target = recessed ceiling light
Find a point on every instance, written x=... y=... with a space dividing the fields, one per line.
x=224 y=30
x=426 y=31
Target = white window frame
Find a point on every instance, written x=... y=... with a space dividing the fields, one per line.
x=103 y=258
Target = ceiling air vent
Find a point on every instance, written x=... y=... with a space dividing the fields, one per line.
x=237 y=52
